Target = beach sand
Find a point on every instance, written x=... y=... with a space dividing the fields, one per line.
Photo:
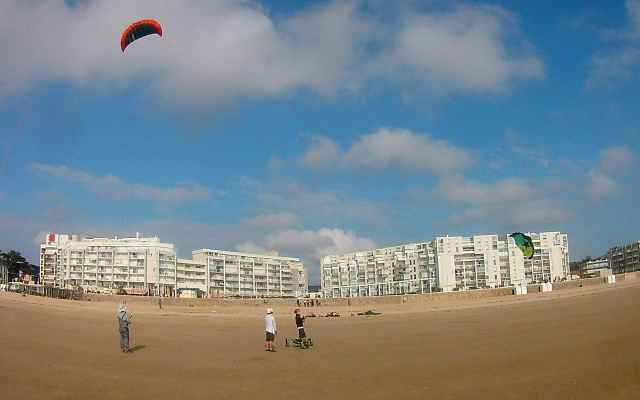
x=581 y=343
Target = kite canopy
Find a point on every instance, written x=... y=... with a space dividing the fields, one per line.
x=524 y=243
x=138 y=30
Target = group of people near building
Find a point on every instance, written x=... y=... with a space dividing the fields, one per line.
x=309 y=303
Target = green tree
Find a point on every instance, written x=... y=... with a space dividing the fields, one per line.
x=16 y=264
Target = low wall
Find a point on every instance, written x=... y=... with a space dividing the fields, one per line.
x=353 y=301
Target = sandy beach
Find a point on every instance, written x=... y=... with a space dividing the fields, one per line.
x=580 y=343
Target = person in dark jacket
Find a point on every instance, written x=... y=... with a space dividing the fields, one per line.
x=124 y=320
x=300 y=324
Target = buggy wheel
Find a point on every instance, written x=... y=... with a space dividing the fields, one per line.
x=286 y=342
x=304 y=344
x=310 y=342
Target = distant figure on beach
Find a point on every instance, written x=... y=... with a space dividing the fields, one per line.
x=270 y=323
x=300 y=324
x=124 y=320
x=160 y=303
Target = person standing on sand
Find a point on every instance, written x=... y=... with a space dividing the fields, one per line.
x=300 y=324
x=270 y=323
x=124 y=320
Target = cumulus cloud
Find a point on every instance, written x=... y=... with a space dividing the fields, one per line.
x=386 y=149
x=466 y=49
x=406 y=150
x=215 y=53
x=322 y=154
x=112 y=188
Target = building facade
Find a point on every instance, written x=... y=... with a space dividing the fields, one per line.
x=592 y=268
x=244 y=274
x=140 y=263
x=131 y=263
x=445 y=264
x=624 y=259
x=4 y=273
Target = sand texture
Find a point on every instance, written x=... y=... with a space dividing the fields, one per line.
x=580 y=343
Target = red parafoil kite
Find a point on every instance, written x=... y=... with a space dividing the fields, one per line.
x=138 y=30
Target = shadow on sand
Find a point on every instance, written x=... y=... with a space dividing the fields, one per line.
x=138 y=347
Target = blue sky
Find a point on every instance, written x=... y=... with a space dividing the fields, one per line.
x=319 y=127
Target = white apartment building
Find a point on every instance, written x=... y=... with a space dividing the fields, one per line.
x=445 y=264
x=244 y=274
x=148 y=264
x=140 y=263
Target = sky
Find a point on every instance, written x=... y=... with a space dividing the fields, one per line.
x=319 y=127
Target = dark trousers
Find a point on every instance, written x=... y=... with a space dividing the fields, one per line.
x=124 y=338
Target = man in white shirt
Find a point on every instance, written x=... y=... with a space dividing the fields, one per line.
x=270 y=322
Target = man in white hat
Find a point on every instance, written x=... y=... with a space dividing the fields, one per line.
x=270 y=322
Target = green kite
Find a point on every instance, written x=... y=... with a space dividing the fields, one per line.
x=524 y=243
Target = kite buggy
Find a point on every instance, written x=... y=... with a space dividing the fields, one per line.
x=302 y=343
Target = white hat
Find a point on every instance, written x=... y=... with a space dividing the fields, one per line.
x=269 y=310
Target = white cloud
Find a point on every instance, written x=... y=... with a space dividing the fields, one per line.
x=614 y=67
x=543 y=212
x=250 y=247
x=322 y=154
x=459 y=190
x=316 y=244
x=334 y=207
x=112 y=188
x=273 y=221
x=275 y=164
x=600 y=185
x=215 y=53
x=616 y=160
x=465 y=50
x=618 y=64
x=387 y=149
x=407 y=151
